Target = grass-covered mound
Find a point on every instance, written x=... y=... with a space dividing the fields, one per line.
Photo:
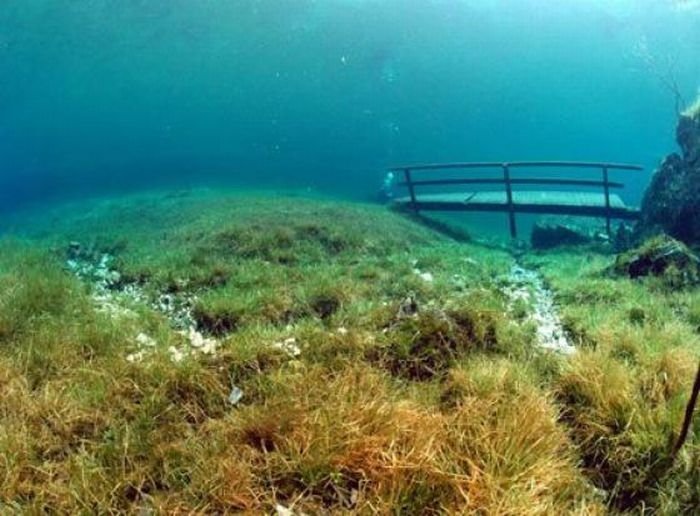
x=363 y=363
x=624 y=393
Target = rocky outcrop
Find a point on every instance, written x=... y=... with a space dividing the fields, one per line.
x=551 y=231
x=688 y=136
x=671 y=204
x=660 y=256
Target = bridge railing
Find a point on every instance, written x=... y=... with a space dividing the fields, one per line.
x=508 y=181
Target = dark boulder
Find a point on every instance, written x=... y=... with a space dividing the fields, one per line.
x=671 y=203
x=660 y=256
x=688 y=136
x=550 y=232
x=546 y=236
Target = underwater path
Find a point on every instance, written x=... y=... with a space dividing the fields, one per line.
x=543 y=194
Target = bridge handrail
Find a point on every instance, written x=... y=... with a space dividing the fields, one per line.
x=516 y=181
x=509 y=182
x=517 y=164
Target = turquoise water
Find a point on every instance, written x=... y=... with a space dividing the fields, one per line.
x=103 y=96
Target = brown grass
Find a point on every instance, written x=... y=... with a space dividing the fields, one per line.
x=451 y=410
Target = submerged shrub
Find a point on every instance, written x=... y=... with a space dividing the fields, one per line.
x=693 y=313
x=215 y=320
x=325 y=305
x=282 y=241
x=347 y=441
x=663 y=257
x=35 y=291
x=327 y=295
x=624 y=418
x=637 y=315
x=426 y=345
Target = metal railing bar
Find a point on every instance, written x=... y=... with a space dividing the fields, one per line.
x=435 y=182
x=577 y=164
x=523 y=181
x=554 y=209
x=411 y=190
x=606 y=188
x=508 y=181
x=518 y=164
x=509 y=197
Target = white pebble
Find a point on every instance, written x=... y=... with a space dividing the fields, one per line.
x=426 y=276
x=528 y=286
x=135 y=357
x=289 y=346
x=175 y=354
x=145 y=340
x=235 y=396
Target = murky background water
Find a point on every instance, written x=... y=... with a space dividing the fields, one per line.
x=102 y=96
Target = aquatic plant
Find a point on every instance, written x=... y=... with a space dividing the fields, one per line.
x=427 y=344
x=384 y=374
x=624 y=395
x=661 y=256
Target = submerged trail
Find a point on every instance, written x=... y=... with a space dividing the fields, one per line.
x=526 y=285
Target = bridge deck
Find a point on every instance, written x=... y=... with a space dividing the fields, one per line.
x=554 y=202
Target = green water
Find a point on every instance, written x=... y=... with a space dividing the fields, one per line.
x=101 y=97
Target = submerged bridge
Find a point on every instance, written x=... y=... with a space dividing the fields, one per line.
x=539 y=197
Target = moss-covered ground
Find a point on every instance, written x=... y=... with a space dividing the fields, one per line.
x=381 y=367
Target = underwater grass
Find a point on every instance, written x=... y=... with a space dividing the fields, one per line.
x=624 y=393
x=415 y=388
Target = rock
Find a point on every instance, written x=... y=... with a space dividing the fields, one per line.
x=557 y=230
x=175 y=354
x=688 y=136
x=426 y=276
x=547 y=235
x=526 y=286
x=289 y=346
x=660 y=256
x=671 y=203
x=74 y=250
x=407 y=308
x=281 y=510
x=235 y=396
x=200 y=342
x=144 y=340
x=135 y=357
x=624 y=238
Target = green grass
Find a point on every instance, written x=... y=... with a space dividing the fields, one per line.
x=624 y=393
x=453 y=409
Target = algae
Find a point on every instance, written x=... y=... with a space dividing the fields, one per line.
x=379 y=365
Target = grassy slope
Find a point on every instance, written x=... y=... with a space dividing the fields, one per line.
x=453 y=410
x=624 y=393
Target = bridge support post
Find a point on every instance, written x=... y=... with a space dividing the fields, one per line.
x=606 y=186
x=509 y=197
x=411 y=189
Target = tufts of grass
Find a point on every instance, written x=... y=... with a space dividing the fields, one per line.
x=426 y=345
x=410 y=386
x=624 y=417
x=623 y=394
x=353 y=441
